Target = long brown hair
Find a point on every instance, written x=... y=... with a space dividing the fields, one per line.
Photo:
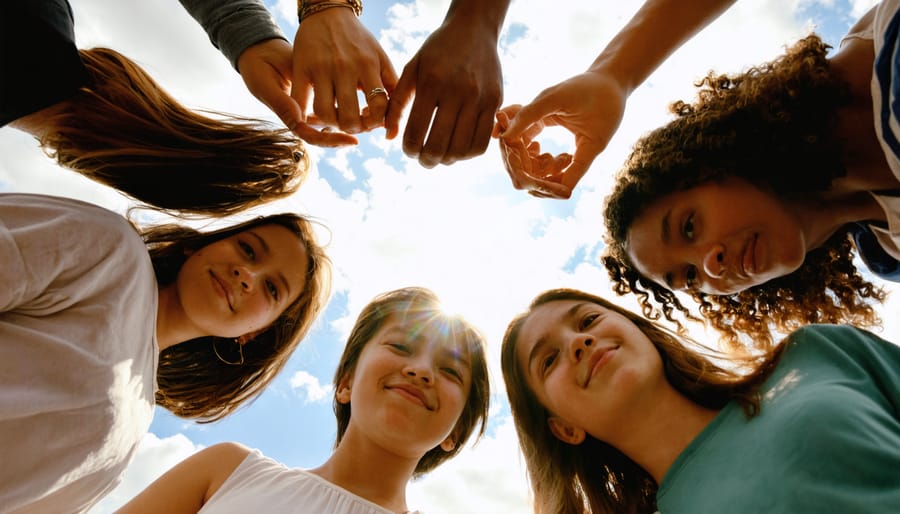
x=595 y=477
x=772 y=126
x=123 y=130
x=209 y=377
x=424 y=306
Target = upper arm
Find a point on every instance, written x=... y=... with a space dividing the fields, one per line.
x=185 y=488
x=48 y=242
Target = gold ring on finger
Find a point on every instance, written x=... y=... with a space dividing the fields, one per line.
x=375 y=92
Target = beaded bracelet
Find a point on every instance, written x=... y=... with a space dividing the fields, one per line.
x=305 y=9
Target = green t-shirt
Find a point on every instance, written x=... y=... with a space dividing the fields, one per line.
x=827 y=438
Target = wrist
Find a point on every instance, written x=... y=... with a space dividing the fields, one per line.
x=306 y=8
x=481 y=16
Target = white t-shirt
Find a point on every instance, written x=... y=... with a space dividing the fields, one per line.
x=260 y=484
x=78 y=351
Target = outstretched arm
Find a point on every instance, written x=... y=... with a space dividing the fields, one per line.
x=246 y=34
x=457 y=83
x=185 y=488
x=591 y=104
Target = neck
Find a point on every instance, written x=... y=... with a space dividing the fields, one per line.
x=658 y=439
x=172 y=326
x=368 y=470
x=39 y=123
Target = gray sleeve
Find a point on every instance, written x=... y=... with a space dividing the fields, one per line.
x=234 y=25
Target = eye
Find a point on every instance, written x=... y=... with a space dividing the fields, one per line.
x=248 y=250
x=587 y=321
x=690 y=277
x=548 y=361
x=688 y=228
x=400 y=347
x=453 y=372
x=273 y=291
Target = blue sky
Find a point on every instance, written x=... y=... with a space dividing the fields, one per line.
x=463 y=231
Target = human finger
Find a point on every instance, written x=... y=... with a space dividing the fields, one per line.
x=482 y=136
x=376 y=106
x=528 y=115
x=399 y=97
x=348 y=112
x=420 y=116
x=446 y=125
x=323 y=137
x=323 y=101
x=461 y=137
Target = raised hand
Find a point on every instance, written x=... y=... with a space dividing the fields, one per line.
x=334 y=57
x=589 y=105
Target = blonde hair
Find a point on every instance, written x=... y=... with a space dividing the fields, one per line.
x=123 y=130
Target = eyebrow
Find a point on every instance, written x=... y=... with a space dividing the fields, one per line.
x=542 y=341
x=664 y=229
x=666 y=234
x=279 y=274
x=455 y=352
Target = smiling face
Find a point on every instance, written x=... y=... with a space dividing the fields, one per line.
x=590 y=367
x=717 y=238
x=241 y=284
x=408 y=388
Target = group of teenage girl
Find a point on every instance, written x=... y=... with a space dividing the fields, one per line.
x=753 y=202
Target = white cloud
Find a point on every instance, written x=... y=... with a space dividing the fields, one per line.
x=309 y=387
x=486 y=477
x=459 y=230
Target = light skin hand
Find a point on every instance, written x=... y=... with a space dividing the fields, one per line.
x=589 y=105
x=456 y=79
x=266 y=70
x=335 y=56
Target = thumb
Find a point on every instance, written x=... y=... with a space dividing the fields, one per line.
x=286 y=109
x=582 y=159
x=527 y=116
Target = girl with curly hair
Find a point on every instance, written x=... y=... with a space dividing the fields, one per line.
x=616 y=414
x=99 y=322
x=748 y=200
x=410 y=389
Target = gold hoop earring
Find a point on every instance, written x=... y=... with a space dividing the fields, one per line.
x=240 y=352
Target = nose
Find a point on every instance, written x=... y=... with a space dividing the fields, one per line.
x=245 y=276
x=714 y=261
x=419 y=369
x=579 y=345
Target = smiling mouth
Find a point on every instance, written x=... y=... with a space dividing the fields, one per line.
x=412 y=394
x=598 y=361
x=221 y=285
x=748 y=261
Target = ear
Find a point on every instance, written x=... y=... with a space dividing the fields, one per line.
x=246 y=338
x=565 y=431
x=342 y=395
x=448 y=444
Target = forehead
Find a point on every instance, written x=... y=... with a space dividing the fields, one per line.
x=544 y=319
x=655 y=230
x=431 y=328
x=281 y=250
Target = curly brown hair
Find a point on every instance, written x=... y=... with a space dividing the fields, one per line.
x=771 y=125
